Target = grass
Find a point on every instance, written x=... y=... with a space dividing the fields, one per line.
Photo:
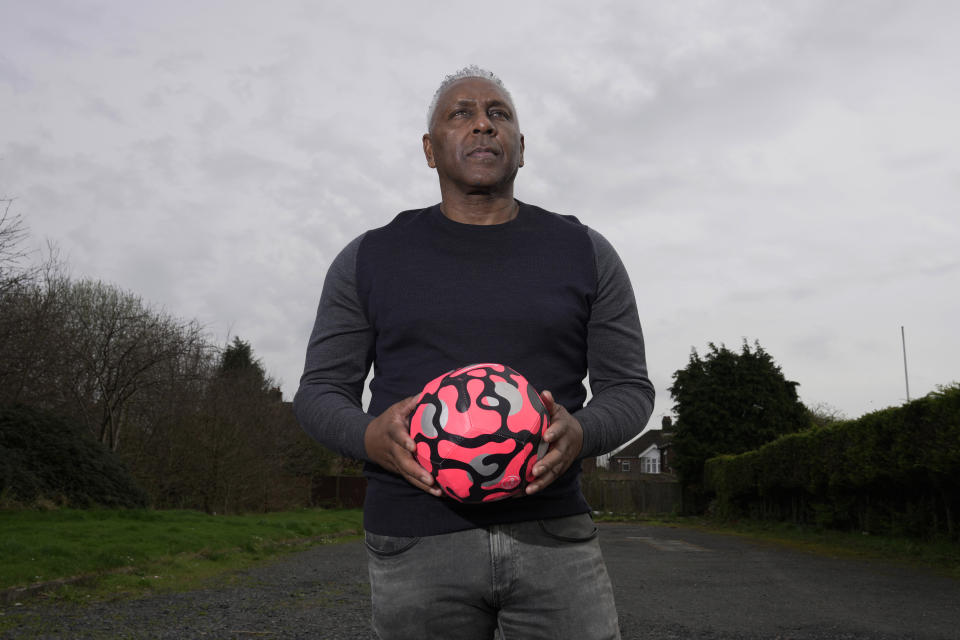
x=940 y=555
x=97 y=553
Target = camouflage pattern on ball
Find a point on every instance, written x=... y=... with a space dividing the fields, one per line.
x=478 y=432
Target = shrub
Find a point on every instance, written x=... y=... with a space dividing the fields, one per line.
x=895 y=470
x=46 y=459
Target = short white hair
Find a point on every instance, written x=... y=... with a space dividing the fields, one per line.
x=472 y=71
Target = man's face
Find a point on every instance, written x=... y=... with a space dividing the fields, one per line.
x=474 y=142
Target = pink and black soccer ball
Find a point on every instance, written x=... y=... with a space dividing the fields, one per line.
x=478 y=431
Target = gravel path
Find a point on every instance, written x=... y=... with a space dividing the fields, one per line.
x=673 y=583
x=670 y=584
x=319 y=593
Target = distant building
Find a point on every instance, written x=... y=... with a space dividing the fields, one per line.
x=650 y=453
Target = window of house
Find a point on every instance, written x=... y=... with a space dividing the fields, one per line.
x=650 y=465
x=624 y=465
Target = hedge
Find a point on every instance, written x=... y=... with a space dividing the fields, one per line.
x=895 y=470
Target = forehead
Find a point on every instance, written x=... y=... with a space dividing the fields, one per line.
x=473 y=89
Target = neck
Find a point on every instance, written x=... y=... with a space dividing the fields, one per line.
x=479 y=208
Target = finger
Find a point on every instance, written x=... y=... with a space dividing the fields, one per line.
x=558 y=414
x=548 y=401
x=405 y=410
x=546 y=472
x=432 y=489
x=554 y=431
x=553 y=461
x=400 y=433
x=409 y=467
x=418 y=476
x=401 y=436
x=550 y=405
x=407 y=405
x=558 y=429
x=548 y=475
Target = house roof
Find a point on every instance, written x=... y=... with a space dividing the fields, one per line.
x=647 y=439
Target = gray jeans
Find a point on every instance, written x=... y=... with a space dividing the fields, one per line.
x=539 y=579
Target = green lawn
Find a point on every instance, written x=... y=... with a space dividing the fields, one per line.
x=103 y=553
x=136 y=550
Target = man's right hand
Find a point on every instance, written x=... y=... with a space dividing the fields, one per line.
x=388 y=443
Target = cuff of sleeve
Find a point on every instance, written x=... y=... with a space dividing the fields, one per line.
x=356 y=448
x=591 y=440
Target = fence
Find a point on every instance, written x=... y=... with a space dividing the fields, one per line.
x=345 y=492
x=653 y=494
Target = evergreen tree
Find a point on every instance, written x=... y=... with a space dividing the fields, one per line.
x=237 y=360
x=728 y=403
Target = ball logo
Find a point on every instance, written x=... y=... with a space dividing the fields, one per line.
x=478 y=431
x=510 y=482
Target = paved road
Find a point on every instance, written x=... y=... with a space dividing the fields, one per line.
x=670 y=583
x=682 y=583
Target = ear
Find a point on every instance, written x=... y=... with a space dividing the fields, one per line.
x=428 y=151
x=521 y=150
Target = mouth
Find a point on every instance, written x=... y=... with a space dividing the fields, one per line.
x=483 y=152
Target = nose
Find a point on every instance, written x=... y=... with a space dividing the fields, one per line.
x=483 y=124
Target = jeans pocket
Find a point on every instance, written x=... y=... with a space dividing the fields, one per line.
x=386 y=546
x=578 y=528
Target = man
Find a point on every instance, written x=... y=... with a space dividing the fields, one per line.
x=480 y=277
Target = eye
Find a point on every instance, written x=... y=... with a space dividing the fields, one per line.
x=499 y=113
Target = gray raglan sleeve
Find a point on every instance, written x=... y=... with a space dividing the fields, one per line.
x=328 y=402
x=616 y=361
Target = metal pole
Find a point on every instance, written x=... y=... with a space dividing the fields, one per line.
x=906 y=379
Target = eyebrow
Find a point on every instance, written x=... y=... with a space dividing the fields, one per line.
x=469 y=102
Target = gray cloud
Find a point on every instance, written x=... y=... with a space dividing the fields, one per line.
x=782 y=172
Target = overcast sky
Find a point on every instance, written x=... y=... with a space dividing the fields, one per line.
x=787 y=172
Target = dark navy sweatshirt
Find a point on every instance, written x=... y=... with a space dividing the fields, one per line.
x=423 y=295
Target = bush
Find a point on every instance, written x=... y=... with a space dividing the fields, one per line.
x=45 y=459
x=895 y=470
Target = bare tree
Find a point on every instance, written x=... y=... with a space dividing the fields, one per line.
x=13 y=232
x=92 y=351
x=199 y=427
x=31 y=306
x=118 y=349
x=823 y=414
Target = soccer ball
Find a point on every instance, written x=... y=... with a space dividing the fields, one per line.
x=478 y=432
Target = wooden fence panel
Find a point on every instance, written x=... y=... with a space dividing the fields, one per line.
x=613 y=495
x=345 y=492
x=632 y=495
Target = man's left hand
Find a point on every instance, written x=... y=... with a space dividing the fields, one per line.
x=565 y=436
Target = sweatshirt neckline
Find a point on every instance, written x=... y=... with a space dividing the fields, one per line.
x=462 y=227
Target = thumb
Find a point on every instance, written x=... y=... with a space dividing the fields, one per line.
x=548 y=401
x=406 y=407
